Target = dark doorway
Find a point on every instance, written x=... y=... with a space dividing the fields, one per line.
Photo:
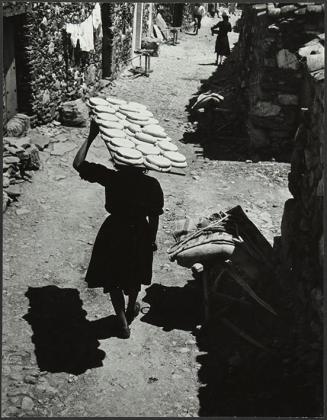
x=16 y=76
x=178 y=14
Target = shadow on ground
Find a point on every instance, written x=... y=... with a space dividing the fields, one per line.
x=221 y=133
x=241 y=380
x=65 y=341
x=265 y=377
x=174 y=307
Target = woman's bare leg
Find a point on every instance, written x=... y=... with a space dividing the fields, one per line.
x=118 y=302
x=132 y=297
x=130 y=312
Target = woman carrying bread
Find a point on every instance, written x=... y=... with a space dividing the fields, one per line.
x=123 y=250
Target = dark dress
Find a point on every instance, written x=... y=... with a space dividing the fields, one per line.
x=222 y=43
x=122 y=254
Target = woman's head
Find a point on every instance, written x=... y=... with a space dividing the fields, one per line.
x=130 y=169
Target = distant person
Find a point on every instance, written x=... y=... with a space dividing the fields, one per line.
x=122 y=255
x=212 y=9
x=222 y=48
x=198 y=13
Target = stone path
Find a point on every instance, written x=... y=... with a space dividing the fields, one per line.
x=47 y=248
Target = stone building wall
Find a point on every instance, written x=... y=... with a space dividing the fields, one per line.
x=272 y=68
x=281 y=76
x=302 y=224
x=53 y=70
x=118 y=34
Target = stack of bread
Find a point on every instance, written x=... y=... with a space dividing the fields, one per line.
x=134 y=136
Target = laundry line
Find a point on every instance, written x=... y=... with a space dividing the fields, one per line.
x=84 y=32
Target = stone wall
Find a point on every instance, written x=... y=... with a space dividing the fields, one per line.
x=54 y=71
x=281 y=67
x=117 y=31
x=302 y=225
x=272 y=68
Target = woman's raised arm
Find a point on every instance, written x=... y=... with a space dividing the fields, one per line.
x=82 y=152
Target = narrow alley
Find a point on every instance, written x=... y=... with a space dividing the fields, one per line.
x=79 y=370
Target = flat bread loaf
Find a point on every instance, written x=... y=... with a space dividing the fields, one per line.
x=120 y=115
x=110 y=124
x=112 y=132
x=98 y=101
x=119 y=142
x=104 y=108
x=120 y=161
x=146 y=138
x=137 y=122
x=175 y=157
x=106 y=116
x=135 y=116
x=115 y=101
x=148 y=149
x=129 y=133
x=134 y=128
x=155 y=131
x=128 y=153
x=159 y=161
x=154 y=167
x=167 y=146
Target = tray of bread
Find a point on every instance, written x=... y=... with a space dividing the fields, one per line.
x=133 y=136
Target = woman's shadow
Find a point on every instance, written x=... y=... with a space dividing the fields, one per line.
x=65 y=341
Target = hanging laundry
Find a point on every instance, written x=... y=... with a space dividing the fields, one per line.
x=86 y=40
x=96 y=16
x=84 y=32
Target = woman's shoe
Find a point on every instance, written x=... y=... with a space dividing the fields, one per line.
x=124 y=332
x=131 y=315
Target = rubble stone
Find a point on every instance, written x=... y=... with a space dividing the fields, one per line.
x=40 y=141
x=13 y=191
x=18 y=125
x=74 y=113
x=27 y=404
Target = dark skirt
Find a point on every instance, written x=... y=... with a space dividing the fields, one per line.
x=122 y=255
x=222 y=46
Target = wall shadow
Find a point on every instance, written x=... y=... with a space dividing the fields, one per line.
x=222 y=134
x=64 y=340
x=241 y=379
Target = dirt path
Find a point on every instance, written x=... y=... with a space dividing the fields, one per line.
x=155 y=372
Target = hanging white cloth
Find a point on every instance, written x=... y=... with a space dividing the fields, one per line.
x=84 y=32
x=96 y=16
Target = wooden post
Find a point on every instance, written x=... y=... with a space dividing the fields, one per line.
x=203 y=275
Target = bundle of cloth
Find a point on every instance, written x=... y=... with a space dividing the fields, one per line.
x=224 y=236
x=207 y=100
